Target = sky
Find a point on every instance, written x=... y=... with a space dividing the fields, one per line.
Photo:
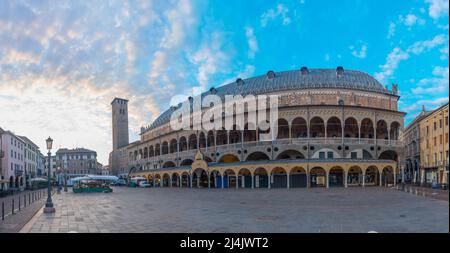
x=62 y=62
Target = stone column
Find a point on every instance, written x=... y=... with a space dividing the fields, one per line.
x=253 y=180
x=345 y=178
x=363 y=179
x=327 y=179
x=198 y=181
x=308 y=179
x=269 y=177
x=190 y=180
x=287 y=181
x=222 y=180
x=181 y=181
x=237 y=181
x=380 y=177
x=209 y=180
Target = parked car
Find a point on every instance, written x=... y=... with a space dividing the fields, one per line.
x=144 y=184
x=119 y=182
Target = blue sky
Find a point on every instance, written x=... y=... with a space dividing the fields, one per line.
x=62 y=62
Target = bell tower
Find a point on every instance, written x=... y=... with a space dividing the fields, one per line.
x=119 y=123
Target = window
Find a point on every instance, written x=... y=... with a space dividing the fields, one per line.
x=330 y=154
x=446 y=121
x=440 y=139
x=434 y=140
x=354 y=155
x=322 y=155
x=435 y=158
x=440 y=123
x=434 y=125
x=446 y=138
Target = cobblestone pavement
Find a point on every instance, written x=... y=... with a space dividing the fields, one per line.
x=245 y=210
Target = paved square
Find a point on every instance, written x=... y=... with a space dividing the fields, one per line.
x=245 y=210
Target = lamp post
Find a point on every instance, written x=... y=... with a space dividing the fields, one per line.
x=49 y=204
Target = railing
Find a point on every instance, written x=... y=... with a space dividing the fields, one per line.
x=278 y=142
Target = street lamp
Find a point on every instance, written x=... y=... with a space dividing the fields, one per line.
x=49 y=204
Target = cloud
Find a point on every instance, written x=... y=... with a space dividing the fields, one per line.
x=397 y=55
x=210 y=58
x=438 y=84
x=422 y=46
x=438 y=8
x=362 y=53
x=410 y=20
x=392 y=61
x=281 y=11
x=252 y=42
x=391 y=30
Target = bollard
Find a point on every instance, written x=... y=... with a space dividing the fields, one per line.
x=12 y=206
x=3 y=210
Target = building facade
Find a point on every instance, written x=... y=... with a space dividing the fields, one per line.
x=77 y=162
x=411 y=139
x=52 y=165
x=335 y=128
x=31 y=156
x=434 y=144
x=13 y=161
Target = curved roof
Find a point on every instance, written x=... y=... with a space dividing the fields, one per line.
x=290 y=80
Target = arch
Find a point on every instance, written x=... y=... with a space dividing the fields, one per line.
x=157 y=149
x=371 y=176
x=317 y=128
x=250 y=132
x=283 y=129
x=278 y=178
x=228 y=158
x=165 y=148
x=334 y=127
x=261 y=178
x=354 y=176
x=388 y=155
x=229 y=179
x=210 y=139
x=382 y=131
x=186 y=162
x=215 y=179
x=326 y=153
x=351 y=129
x=387 y=176
x=192 y=141
x=151 y=151
x=202 y=140
x=185 y=179
x=145 y=152
x=169 y=164
x=173 y=146
x=366 y=154
x=175 y=180
x=199 y=178
x=235 y=135
x=183 y=144
x=166 y=180
x=299 y=128
x=394 y=131
x=317 y=177
x=290 y=154
x=336 y=177
x=297 y=177
x=158 y=180
x=221 y=137
x=257 y=156
x=367 y=130
x=244 y=178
